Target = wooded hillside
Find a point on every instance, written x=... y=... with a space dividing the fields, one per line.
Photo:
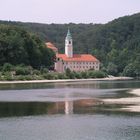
x=116 y=44
x=17 y=46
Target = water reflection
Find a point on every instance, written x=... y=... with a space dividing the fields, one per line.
x=37 y=108
x=88 y=84
x=63 y=98
x=32 y=113
x=68 y=107
x=84 y=106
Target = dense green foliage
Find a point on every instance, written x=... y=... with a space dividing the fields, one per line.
x=17 y=46
x=22 y=72
x=116 y=44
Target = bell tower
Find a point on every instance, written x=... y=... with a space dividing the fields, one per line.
x=68 y=45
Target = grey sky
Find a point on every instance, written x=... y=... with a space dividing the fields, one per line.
x=66 y=11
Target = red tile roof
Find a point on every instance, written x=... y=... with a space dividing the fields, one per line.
x=78 y=57
x=51 y=46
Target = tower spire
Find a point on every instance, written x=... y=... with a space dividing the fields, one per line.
x=68 y=44
x=68 y=34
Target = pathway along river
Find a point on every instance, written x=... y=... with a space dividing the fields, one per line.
x=69 y=111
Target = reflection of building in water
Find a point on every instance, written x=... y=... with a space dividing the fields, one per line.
x=68 y=107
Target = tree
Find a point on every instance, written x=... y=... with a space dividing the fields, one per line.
x=132 y=70
x=17 y=46
x=112 y=69
x=7 y=67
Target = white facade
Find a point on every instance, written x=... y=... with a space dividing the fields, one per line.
x=68 y=45
x=76 y=66
x=81 y=66
x=59 y=67
x=75 y=62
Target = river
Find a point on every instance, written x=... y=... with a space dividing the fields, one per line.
x=68 y=111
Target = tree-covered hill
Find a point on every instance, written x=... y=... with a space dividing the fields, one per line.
x=116 y=44
x=17 y=46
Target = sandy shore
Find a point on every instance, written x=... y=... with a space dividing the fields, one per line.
x=67 y=80
x=134 y=101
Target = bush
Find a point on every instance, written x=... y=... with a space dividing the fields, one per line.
x=132 y=70
x=44 y=71
x=112 y=69
x=49 y=76
x=70 y=74
x=26 y=70
x=62 y=76
x=7 y=76
x=36 y=72
x=7 y=67
x=97 y=74
x=84 y=74
x=78 y=75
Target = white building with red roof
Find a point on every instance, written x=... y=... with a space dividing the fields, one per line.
x=75 y=62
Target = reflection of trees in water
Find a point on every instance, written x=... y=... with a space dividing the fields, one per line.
x=84 y=84
x=8 y=109
x=26 y=86
x=23 y=108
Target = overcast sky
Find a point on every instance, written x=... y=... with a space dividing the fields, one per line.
x=66 y=11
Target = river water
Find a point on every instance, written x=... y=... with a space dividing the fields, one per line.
x=67 y=111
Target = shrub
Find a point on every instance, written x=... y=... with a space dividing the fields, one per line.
x=49 y=76
x=23 y=70
x=78 y=75
x=44 y=70
x=62 y=76
x=7 y=76
x=96 y=74
x=36 y=72
x=7 y=67
x=84 y=74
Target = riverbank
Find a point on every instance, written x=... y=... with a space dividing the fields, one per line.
x=67 y=80
x=132 y=103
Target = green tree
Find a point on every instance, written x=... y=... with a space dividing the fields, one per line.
x=17 y=46
x=112 y=69
x=7 y=67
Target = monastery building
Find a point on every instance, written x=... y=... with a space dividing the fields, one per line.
x=74 y=62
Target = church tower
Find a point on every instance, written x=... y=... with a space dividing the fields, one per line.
x=68 y=45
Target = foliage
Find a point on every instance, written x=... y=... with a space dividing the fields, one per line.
x=115 y=44
x=44 y=70
x=132 y=69
x=23 y=70
x=17 y=46
x=112 y=69
x=7 y=67
x=49 y=76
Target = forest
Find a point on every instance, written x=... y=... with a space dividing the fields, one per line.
x=17 y=46
x=116 y=44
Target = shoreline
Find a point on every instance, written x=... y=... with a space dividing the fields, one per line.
x=132 y=103
x=67 y=80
